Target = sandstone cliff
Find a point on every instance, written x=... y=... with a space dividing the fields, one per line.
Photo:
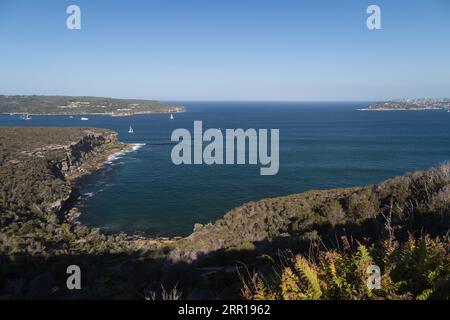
x=38 y=165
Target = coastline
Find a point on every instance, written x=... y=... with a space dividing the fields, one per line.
x=71 y=210
x=410 y=105
x=111 y=114
x=98 y=163
x=401 y=109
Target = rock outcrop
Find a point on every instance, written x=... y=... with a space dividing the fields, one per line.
x=40 y=164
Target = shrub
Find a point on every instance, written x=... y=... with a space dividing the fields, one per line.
x=335 y=214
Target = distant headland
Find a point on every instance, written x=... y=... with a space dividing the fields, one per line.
x=70 y=105
x=410 y=104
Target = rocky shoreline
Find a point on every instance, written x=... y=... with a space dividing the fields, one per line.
x=71 y=209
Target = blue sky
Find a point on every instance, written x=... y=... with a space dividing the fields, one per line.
x=226 y=49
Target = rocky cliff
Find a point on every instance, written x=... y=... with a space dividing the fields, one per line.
x=38 y=165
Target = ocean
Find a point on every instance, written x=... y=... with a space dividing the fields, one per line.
x=322 y=145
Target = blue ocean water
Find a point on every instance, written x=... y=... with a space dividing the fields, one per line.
x=322 y=145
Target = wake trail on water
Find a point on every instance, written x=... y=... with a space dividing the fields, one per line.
x=111 y=160
x=119 y=155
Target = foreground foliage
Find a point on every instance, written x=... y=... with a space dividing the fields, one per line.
x=417 y=269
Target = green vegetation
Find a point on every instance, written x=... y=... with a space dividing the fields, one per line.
x=411 y=104
x=326 y=238
x=35 y=164
x=36 y=168
x=82 y=105
x=417 y=269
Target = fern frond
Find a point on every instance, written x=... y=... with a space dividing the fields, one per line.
x=309 y=274
x=425 y=295
x=289 y=285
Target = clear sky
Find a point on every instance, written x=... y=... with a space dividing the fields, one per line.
x=226 y=49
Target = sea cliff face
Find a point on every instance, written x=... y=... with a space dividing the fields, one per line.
x=38 y=169
x=39 y=165
x=88 y=153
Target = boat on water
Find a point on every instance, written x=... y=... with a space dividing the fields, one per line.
x=25 y=117
x=130 y=130
x=171 y=116
x=84 y=119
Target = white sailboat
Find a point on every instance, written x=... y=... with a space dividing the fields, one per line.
x=171 y=116
x=25 y=117
x=84 y=119
x=130 y=130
